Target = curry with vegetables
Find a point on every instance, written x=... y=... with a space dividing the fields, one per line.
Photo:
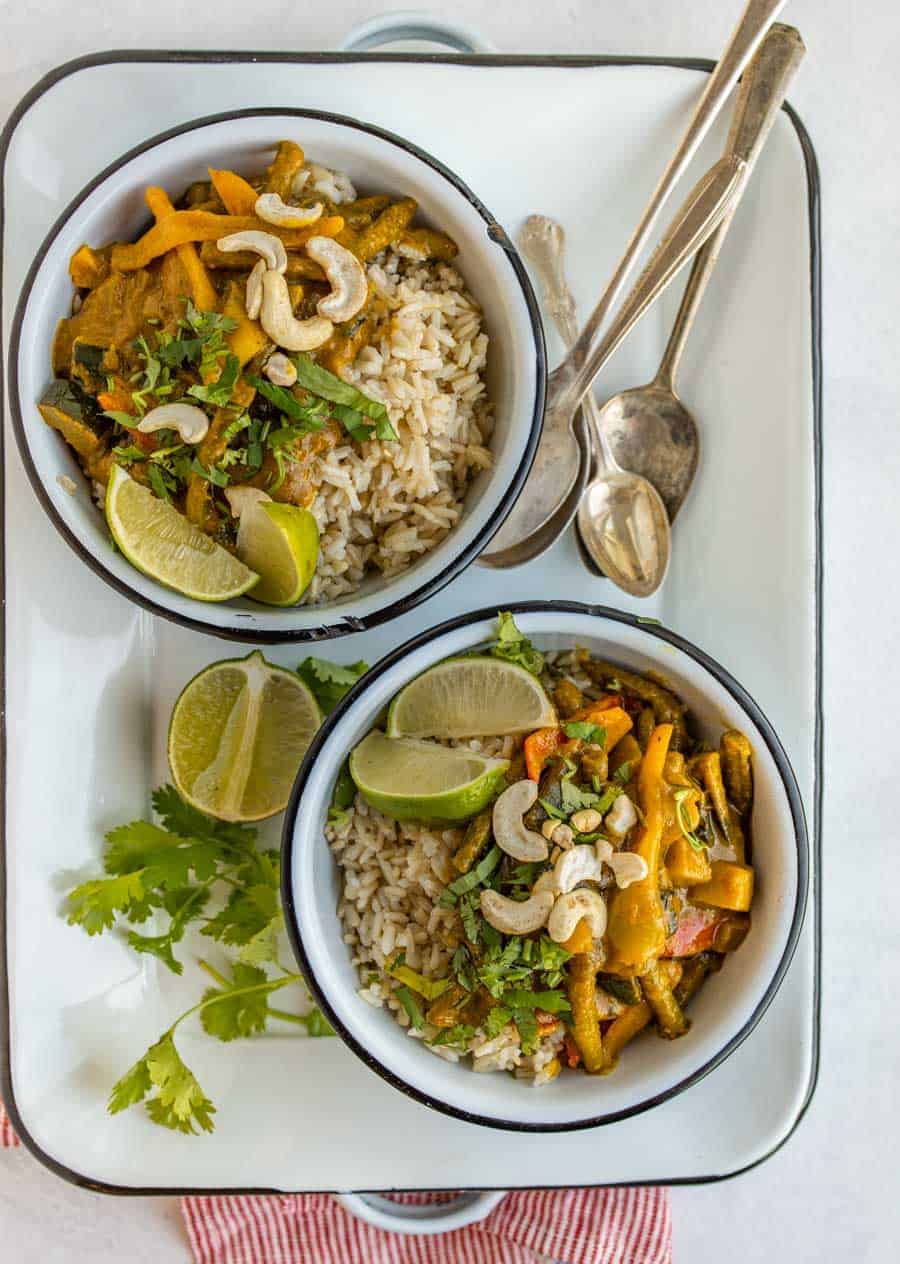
x=210 y=355
x=595 y=895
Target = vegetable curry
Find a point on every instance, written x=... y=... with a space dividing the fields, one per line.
x=642 y=883
x=208 y=354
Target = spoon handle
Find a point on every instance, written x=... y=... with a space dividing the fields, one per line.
x=543 y=242
x=696 y=220
x=746 y=38
x=760 y=98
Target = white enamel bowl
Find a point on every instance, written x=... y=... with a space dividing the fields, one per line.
x=112 y=208
x=652 y=1070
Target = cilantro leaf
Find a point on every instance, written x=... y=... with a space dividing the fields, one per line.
x=324 y=384
x=575 y=797
x=329 y=681
x=412 y=1007
x=586 y=731
x=247 y=912
x=179 y=1103
x=129 y=847
x=94 y=905
x=476 y=876
x=132 y=1088
x=460 y=1035
x=183 y=905
x=241 y=1008
x=623 y=773
x=513 y=647
x=527 y=1026
x=496 y=1020
x=553 y=1002
x=180 y=818
x=215 y=476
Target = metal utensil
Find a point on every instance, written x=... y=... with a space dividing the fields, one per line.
x=558 y=458
x=630 y=530
x=695 y=221
x=648 y=428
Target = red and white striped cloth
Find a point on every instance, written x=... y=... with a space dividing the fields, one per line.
x=577 y=1226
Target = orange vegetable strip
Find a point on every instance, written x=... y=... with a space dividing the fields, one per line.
x=189 y=226
x=539 y=746
x=585 y=1022
x=202 y=290
x=238 y=197
x=637 y=922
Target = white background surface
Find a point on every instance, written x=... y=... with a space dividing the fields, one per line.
x=829 y=1194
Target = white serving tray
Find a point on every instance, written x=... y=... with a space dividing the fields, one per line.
x=90 y=680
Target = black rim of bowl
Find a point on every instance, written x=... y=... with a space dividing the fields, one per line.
x=740 y=695
x=343 y=622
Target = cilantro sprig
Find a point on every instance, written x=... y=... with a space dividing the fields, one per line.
x=174 y=870
x=514 y=647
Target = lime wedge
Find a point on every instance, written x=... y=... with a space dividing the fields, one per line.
x=237 y=735
x=411 y=780
x=470 y=697
x=281 y=543
x=162 y=543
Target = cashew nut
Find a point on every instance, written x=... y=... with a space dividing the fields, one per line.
x=628 y=867
x=334 y=185
x=191 y=422
x=546 y=882
x=270 y=247
x=516 y=917
x=510 y=832
x=621 y=816
x=349 y=287
x=581 y=864
x=271 y=208
x=241 y=498
x=569 y=909
x=277 y=318
x=280 y=370
x=563 y=836
x=253 y=292
x=586 y=821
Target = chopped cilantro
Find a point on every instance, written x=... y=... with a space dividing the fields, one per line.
x=411 y=1005
x=623 y=773
x=325 y=385
x=219 y=392
x=585 y=731
x=513 y=647
x=476 y=876
x=460 y=1035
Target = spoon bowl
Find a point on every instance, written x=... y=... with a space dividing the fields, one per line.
x=650 y=432
x=623 y=525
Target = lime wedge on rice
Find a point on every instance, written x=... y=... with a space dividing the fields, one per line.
x=411 y=780
x=237 y=735
x=281 y=543
x=162 y=543
x=471 y=697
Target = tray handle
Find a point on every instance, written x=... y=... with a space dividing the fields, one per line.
x=432 y=1218
x=410 y=24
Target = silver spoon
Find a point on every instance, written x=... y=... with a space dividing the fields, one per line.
x=626 y=522
x=648 y=429
x=552 y=490
x=558 y=458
